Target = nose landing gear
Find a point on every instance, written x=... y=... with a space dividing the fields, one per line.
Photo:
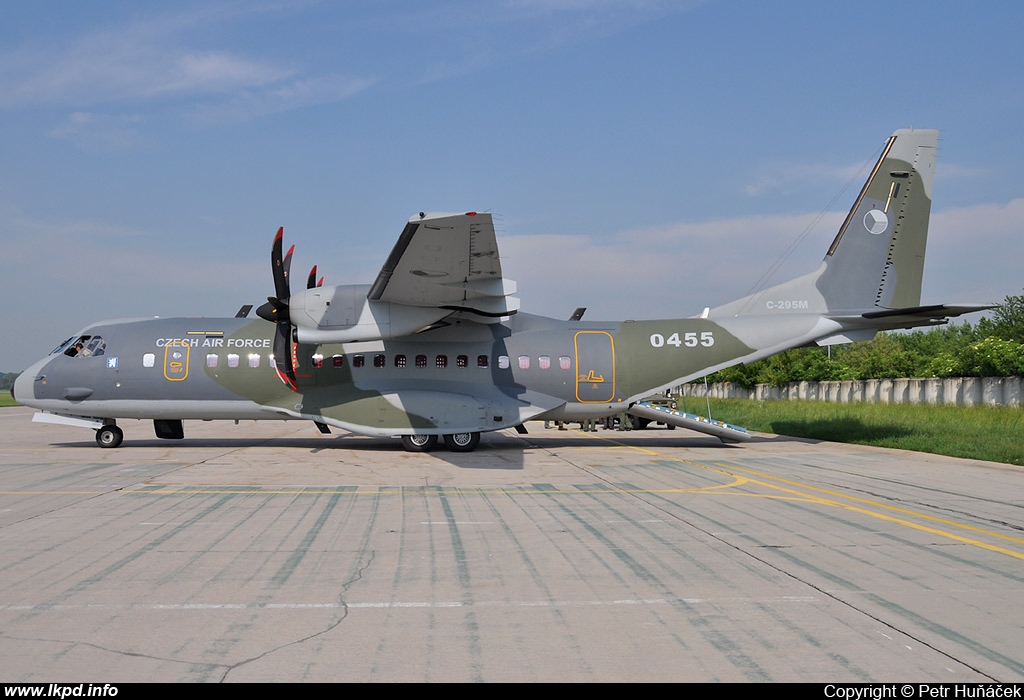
x=109 y=436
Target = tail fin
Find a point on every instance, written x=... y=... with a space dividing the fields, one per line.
x=877 y=259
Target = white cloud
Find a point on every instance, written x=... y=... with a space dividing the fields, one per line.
x=157 y=60
x=280 y=97
x=974 y=255
x=134 y=64
x=101 y=132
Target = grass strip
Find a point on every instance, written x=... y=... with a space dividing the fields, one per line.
x=992 y=433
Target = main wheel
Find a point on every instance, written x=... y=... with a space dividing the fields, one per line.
x=419 y=443
x=462 y=442
x=109 y=436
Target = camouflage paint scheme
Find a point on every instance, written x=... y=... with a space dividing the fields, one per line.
x=441 y=293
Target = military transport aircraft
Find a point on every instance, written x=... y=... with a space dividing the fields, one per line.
x=436 y=345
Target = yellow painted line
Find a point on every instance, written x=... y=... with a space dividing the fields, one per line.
x=727 y=469
x=897 y=509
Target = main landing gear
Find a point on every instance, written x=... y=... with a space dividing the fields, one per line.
x=456 y=442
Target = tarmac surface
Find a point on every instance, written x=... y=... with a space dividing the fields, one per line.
x=267 y=552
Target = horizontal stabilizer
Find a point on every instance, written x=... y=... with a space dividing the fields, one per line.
x=931 y=311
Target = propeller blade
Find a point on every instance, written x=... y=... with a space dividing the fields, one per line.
x=276 y=311
x=280 y=265
x=311 y=280
x=287 y=265
x=283 y=355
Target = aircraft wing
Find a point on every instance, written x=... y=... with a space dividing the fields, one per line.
x=447 y=261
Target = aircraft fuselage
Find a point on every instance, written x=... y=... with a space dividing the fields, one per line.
x=462 y=377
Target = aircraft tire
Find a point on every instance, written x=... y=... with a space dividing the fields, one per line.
x=419 y=443
x=462 y=442
x=109 y=436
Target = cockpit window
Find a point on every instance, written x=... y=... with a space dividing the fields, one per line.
x=84 y=346
x=63 y=346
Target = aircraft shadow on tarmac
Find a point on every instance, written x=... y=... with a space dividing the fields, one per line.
x=496 y=451
x=841 y=428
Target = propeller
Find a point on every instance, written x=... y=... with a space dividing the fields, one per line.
x=311 y=282
x=276 y=311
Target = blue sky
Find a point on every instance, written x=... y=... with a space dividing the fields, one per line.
x=642 y=158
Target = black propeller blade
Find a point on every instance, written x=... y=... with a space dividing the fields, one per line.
x=311 y=282
x=276 y=311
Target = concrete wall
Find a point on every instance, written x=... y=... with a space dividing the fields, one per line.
x=963 y=391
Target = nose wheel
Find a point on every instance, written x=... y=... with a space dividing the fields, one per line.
x=109 y=436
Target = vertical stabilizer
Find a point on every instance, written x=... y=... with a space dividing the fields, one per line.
x=877 y=258
x=876 y=261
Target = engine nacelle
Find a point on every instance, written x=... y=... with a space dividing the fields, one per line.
x=343 y=314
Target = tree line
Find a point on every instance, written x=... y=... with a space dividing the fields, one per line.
x=7 y=380
x=994 y=347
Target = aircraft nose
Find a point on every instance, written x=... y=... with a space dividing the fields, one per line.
x=23 y=390
x=18 y=390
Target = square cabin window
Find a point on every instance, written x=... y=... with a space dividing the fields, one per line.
x=481 y=361
x=232 y=360
x=148 y=360
x=358 y=360
x=211 y=360
x=503 y=362
x=338 y=360
x=380 y=361
x=399 y=360
x=544 y=362
x=462 y=361
x=421 y=361
x=524 y=362
x=565 y=362
x=254 y=360
x=441 y=362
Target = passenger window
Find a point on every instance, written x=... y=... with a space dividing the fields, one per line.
x=148 y=360
x=399 y=360
x=380 y=361
x=503 y=362
x=338 y=360
x=565 y=362
x=254 y=360
x=358 y=360
x=232 y=360
x=211 y=360
x=481 y=361
x=462 y=361
x=524 y=362
x=318 y=360
x=441 y=362
x=544 y=362
x=421 y=361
